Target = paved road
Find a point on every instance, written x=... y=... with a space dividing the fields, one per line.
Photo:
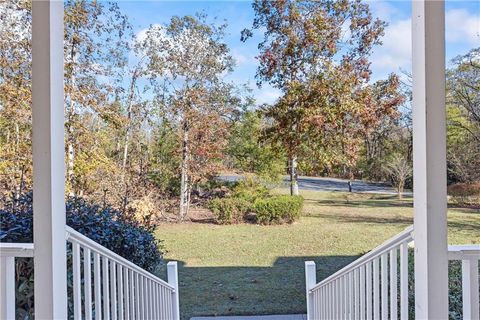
x=332 y=184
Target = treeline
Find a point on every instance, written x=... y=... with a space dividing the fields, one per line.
x=150 y=118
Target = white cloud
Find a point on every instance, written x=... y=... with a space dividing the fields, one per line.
x=383 y=10
x=267 y=94
x=396 y=51
x=462 y=27
x=243 y=59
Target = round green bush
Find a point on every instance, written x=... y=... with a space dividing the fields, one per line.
x=250 y=190
x=229 y=210
x=278 y=209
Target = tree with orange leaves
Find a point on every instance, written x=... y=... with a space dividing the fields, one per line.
x=316 y=53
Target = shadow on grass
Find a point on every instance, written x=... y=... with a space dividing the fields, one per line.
x=373 y=203
x=464 y=225
x=279 y=289
x=382 y=202
x=251 y=290
x=365 y=219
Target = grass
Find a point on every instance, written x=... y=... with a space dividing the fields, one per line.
x=250 y=269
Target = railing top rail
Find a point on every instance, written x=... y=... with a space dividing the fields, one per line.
x=465 y=251
x=10 y=249
x=406 y=235
x=75 y=236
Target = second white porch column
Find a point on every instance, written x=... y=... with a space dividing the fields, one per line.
x=429 y=159
x=48 y=160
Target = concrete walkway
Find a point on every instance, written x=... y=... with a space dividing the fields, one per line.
x=272 y=317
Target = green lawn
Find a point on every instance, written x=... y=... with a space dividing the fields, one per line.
x=251 y=269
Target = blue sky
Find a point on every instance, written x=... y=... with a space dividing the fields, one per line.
x=462 y=32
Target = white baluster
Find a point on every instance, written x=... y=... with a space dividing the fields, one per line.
x=77 y=289
x=351 y=301
x=7 y=296
x=384 y=285
x=362 y=292
x=120 y=293
x=138 y=313
x=106 y=292
x=113 y=290
x=470 y=289
x=97 y=286
x=87 y=274
x=369 y=290
x=404 y=281
x=141 y=299
x=376 y=288
x=128 y=291
x=393 y=285
x=357 y=293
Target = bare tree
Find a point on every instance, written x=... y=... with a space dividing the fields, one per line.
x=399 y=169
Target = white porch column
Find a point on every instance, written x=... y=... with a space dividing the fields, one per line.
x=429 y=159
x=48 y=160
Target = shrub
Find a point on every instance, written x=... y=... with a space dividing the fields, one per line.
x=465 y=193
x=229 y=210
x=214 y=188
x=117 y=231
x=111 y=228
x=278 y=209
x=250 y=190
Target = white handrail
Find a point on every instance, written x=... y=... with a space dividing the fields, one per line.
x=120 y=288
x=462 y=252
x=8 y=249
x=108 y=286
x=406 y=235
x=75 y=236
x=368 y=286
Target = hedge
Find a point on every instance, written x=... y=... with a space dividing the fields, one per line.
x=229 y=210
x=278 y=209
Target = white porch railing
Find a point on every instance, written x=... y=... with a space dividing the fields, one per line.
x=8 y=253
x=469 y=255
x=105 y=285
x=375 y=286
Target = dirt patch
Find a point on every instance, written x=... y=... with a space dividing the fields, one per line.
x=201 y=215
x=196 y=214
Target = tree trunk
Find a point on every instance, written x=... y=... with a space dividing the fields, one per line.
x=184 y=183
x=70 y=148
x=71 y=158
x=125 y=156
x=293 y=176
x=70 y=140
x=69 y=123
x=17 y=162
x=400 y=188
x=131 y=96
